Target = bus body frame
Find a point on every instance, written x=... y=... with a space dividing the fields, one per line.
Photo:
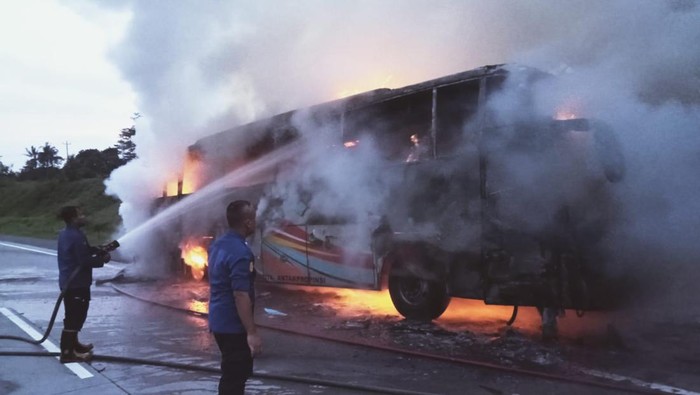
x=501 y=265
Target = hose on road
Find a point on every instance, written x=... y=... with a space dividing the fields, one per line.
x=53 y=316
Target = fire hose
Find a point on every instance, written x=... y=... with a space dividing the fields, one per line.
x=111 y=246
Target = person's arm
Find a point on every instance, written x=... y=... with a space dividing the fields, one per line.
x=241 y=283
x=244 y=306
x=86 y=255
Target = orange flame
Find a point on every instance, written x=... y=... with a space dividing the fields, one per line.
x=195 y=256
x=350 y=301
x=191 y=177
x=462 y=313
x=570 y=109
x=564 y=114
x=191 y=173
x=171 y=188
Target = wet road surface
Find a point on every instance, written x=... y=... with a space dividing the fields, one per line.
x=120 y=325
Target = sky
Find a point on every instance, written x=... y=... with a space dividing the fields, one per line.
x=57 y=83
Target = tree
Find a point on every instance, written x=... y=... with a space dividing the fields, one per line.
x=42 y=163
x=125 y=145
x=32 y=163
x=110 y=157
x=6 y=171
x=92 y=163
x=48 y=156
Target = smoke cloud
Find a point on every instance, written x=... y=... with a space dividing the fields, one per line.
x=629 y=65
x=202 y=67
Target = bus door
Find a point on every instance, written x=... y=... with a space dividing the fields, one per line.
x=516 y=206
x=453 y=183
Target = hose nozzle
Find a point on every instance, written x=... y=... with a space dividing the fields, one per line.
x=111 y=246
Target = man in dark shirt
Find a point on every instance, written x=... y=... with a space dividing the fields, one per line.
x=232 y=295
x=76 y=259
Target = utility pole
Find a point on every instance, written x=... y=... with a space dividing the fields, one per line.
x=67 y=144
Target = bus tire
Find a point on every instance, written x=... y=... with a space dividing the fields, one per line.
x=418 y=299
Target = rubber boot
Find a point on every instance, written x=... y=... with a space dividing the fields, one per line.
x=68 y=353
x=80 y=347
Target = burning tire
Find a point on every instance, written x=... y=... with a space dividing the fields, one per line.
x=417 y=298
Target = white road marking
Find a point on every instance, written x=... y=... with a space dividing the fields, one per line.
x=640 y=383
x=75 y=367
x=40 y=251
x=27 y=248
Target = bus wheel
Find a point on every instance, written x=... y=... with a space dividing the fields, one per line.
x=417 y=298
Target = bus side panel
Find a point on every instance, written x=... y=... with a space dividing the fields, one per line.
x=348 y=270
x=292 y=255
x=283 y=255
x=337 y=255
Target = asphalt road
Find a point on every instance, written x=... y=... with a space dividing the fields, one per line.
x=123 y=326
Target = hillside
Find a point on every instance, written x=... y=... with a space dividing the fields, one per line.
x=30 y=208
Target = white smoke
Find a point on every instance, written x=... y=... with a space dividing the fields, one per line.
x=201 y=67
x=631 y=64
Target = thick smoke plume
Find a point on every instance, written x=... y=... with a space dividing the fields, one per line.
x=202 y=67
x=632 y=66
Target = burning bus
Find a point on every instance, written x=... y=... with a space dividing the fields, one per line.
x=432 y=190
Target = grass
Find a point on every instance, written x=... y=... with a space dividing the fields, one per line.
x=30 y=208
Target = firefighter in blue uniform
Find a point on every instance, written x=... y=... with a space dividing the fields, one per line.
x=76 y=259
x=232 y=296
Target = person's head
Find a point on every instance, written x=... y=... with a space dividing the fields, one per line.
x=415 y=139
x=72 y=215
x=240 y=216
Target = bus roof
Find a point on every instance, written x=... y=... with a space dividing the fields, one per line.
x=256 y=129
